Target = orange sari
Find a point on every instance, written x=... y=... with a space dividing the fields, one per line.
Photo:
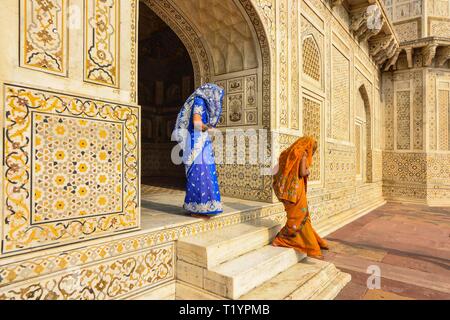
x=291 y=189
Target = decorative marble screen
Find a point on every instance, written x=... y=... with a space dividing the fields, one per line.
x=70 y=169
x=311 y=58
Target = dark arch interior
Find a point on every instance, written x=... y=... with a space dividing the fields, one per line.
x=166 y=79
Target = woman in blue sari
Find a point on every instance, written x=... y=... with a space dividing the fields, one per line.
x=200 y=113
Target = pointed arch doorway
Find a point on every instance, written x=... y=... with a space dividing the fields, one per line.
x=165 y=79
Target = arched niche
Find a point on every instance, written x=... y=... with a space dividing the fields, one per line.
x=227 y=43
x=364 y=115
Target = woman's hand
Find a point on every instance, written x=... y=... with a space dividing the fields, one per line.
x=303 y=172
x=198 y=123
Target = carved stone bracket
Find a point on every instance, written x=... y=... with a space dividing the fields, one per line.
x=384 y=48
x=392 y=60
x=370 y=23
x=367 y=23
x=443 y=56
x=429 y=53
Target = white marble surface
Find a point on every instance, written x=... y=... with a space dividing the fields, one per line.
x=163 y=211
x=250 y=270
x=213 y=248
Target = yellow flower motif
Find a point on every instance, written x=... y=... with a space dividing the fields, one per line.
x=82 y=167
x=60 y=130
x=37 y=168
x=102 y=201
x=102 y=179
x=82 y=122
x=37 y=194
x=82 y=143
x=83 y=191
x=102 y=155
x=118 y=188
x=119 y=146
x=103 y=134
x=119 y=167
x=59 y=180
x=38 y=141
x=60 y=205
x=82 y=213
x=60 y=155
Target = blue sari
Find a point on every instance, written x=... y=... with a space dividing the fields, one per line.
x=202 y=187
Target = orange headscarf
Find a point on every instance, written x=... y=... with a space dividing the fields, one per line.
x=287 y=184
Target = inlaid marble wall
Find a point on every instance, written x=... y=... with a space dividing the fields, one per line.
x=71 y=161
x=415 y=19
x=416 y=157
x=70 y=169
x=299 y=71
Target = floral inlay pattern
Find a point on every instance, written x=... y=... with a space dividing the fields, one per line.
x=83 y=174
x=83 y=148
x=43 y=29
x=102 y=42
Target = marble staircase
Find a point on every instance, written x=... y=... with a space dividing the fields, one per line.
x=238 y=262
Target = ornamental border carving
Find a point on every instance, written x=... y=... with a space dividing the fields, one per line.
x=19 y=234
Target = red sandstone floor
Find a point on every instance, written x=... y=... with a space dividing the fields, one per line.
x=409 y=243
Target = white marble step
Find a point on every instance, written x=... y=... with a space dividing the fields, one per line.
x=186 y=291
x=213 y=248
x=333 y=288
x=236 y=277
x=300 y=282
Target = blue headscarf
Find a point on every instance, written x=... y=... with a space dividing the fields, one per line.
x=213 y=96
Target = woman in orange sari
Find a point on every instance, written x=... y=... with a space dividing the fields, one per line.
x=290 y=186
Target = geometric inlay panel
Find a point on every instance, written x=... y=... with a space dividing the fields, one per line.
x=312 y=127
x=358 y=150
x=403 y=120
x=340 y=112
x=444 y=120
x=76 y=167
x=70 y=169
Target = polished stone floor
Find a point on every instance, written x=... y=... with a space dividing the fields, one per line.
x=162 y=207
x=409 y=243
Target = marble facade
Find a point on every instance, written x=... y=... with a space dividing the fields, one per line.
x=369 y=79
